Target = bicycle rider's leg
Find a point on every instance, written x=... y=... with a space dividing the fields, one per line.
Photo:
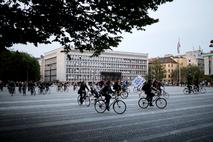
x=81 y=98
x=107 y=98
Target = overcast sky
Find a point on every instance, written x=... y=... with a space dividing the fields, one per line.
x=191 y=21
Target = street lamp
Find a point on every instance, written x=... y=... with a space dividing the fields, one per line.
x=211 y=43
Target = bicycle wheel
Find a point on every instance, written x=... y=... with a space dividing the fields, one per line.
x=78 y=99
x=202 y=90
x=161 y=103
x=186 y=91
x=143 y=103
x=124 y=95
x=100 y=106
x=87 y=101
x=119 y=106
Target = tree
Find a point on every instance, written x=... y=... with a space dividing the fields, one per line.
x=94 y=25
x=175 y=75
x=191 y=74
x=156 y=71
x=18 y=67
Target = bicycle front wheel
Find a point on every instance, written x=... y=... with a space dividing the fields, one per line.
x=161 y=103
x=100 y=106
x=143 y=103
x=119 y=106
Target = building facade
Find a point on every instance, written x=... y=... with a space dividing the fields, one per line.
x=195 y=58
x=208 y=62
x=169 y=66
x=83 y=67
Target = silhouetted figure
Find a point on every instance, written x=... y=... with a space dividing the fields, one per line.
x=82 y=91
x=106 y=90
x=147 y=87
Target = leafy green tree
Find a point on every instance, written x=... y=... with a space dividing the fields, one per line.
x=175 y=74
x=18 y=67
x=156 y=71
x=93 y=25
x=190 y=74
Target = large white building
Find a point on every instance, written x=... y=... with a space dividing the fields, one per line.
x=81 y=66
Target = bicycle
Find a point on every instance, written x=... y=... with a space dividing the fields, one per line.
x=194 y=90
x=86 y=100
x=119 y=106
x=161 y=103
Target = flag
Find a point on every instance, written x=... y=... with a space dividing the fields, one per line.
x=139 y=80
x=178 y=47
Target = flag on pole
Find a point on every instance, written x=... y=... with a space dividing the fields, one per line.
x=178 y=47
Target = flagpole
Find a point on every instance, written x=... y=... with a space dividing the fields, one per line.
x=179 y=73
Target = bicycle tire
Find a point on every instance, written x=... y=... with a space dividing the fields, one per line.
x=203 y=90
x=100 y=106
x=119 y=106
x=143 y=103
x=87 y=101
x=161 y=103
x=78 y=99
x=186 y=91
x=124 y=95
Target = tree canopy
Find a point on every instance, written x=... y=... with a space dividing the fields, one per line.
x=94 y=25
x=18 y=66
x=156 y=71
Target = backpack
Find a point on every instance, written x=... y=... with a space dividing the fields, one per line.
x=145 y=87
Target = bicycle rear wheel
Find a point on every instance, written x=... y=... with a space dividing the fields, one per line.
x=87 y=101
x=124 y=95
x=78 y=99
x=161 y=103
x=100 y=106
x=143 y=103
x=119 y=106
x=202 y=90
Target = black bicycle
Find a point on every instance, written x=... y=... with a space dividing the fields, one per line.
x=119 y=106
x=161 y=103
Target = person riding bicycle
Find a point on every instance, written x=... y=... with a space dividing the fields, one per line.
x=93 y=90
x=147 y=87
x=82 y=91
x=117 y=87
x=105 y=91
x=157 y=85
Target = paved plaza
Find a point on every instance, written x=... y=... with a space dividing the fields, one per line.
x=56 y=117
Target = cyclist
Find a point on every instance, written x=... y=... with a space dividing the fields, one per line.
x=147 y=87
x=106 y=90
x=82 y=91
x=93 y=90
x=117 y=87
